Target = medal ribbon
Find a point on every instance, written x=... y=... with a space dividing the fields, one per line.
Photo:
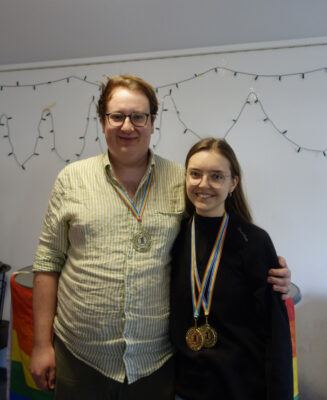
x=211 y=270
x=138 y=214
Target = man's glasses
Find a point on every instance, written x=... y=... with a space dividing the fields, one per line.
x=214 y=179
x=137 y=119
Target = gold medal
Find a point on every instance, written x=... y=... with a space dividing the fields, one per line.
x=209 y=334
x=205 y=289
x=194 y=339
x=142 y=241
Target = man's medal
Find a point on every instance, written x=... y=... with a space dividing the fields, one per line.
x=141 y=240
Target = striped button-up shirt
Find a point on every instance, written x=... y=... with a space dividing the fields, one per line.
x=113 y=301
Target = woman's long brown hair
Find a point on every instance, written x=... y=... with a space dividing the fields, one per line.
x=237 y=203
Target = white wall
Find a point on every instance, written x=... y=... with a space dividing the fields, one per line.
x=287 y=190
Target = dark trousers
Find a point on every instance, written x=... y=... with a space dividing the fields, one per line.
x=76 y=380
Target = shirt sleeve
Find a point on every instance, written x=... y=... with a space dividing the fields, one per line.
x=278 y=354
x=51 y=252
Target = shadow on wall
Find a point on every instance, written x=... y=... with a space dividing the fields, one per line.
x=311 y=344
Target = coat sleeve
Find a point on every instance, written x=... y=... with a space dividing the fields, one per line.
x=278 y=352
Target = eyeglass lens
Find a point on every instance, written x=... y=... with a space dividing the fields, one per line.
x=215 y=179
x=118 y=119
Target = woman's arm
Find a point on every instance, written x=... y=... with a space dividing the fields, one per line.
x=278 y=354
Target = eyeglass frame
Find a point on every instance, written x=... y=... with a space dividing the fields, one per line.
x=128 y=115
x=202 y=174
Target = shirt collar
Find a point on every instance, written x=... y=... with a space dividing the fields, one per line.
x=108 y=169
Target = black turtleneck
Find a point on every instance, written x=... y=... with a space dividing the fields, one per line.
x=252 y=359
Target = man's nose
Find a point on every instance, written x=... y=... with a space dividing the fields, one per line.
x=127 y=124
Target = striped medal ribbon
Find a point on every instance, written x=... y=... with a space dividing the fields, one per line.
x=208 y=333
x=142 y=239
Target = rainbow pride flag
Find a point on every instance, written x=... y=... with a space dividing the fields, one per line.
x=22 y=385
x=291 y=316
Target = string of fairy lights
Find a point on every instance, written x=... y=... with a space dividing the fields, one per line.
x=251 y=99
x=47 y=115
x=35 y=85
x=236 y=73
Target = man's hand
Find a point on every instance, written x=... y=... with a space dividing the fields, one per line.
x=43 y=362
x=280 y=278
x=43 y=367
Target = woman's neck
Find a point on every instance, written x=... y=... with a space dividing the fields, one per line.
x=206 y=214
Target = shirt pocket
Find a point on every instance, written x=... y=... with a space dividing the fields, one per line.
x=165 y=226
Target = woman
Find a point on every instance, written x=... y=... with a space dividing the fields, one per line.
x=230 y=329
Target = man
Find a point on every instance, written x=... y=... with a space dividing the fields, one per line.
x=102 y=268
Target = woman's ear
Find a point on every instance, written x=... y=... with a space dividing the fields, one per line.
x=234 y=183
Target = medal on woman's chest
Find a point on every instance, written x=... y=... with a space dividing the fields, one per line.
x=194 y=338
x=141 y=240
x=204 y=335
x=209 y=334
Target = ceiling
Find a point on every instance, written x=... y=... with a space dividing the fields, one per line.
x=47 y=30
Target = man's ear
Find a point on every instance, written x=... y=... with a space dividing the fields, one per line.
x=103 y=124
x=153 y=118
